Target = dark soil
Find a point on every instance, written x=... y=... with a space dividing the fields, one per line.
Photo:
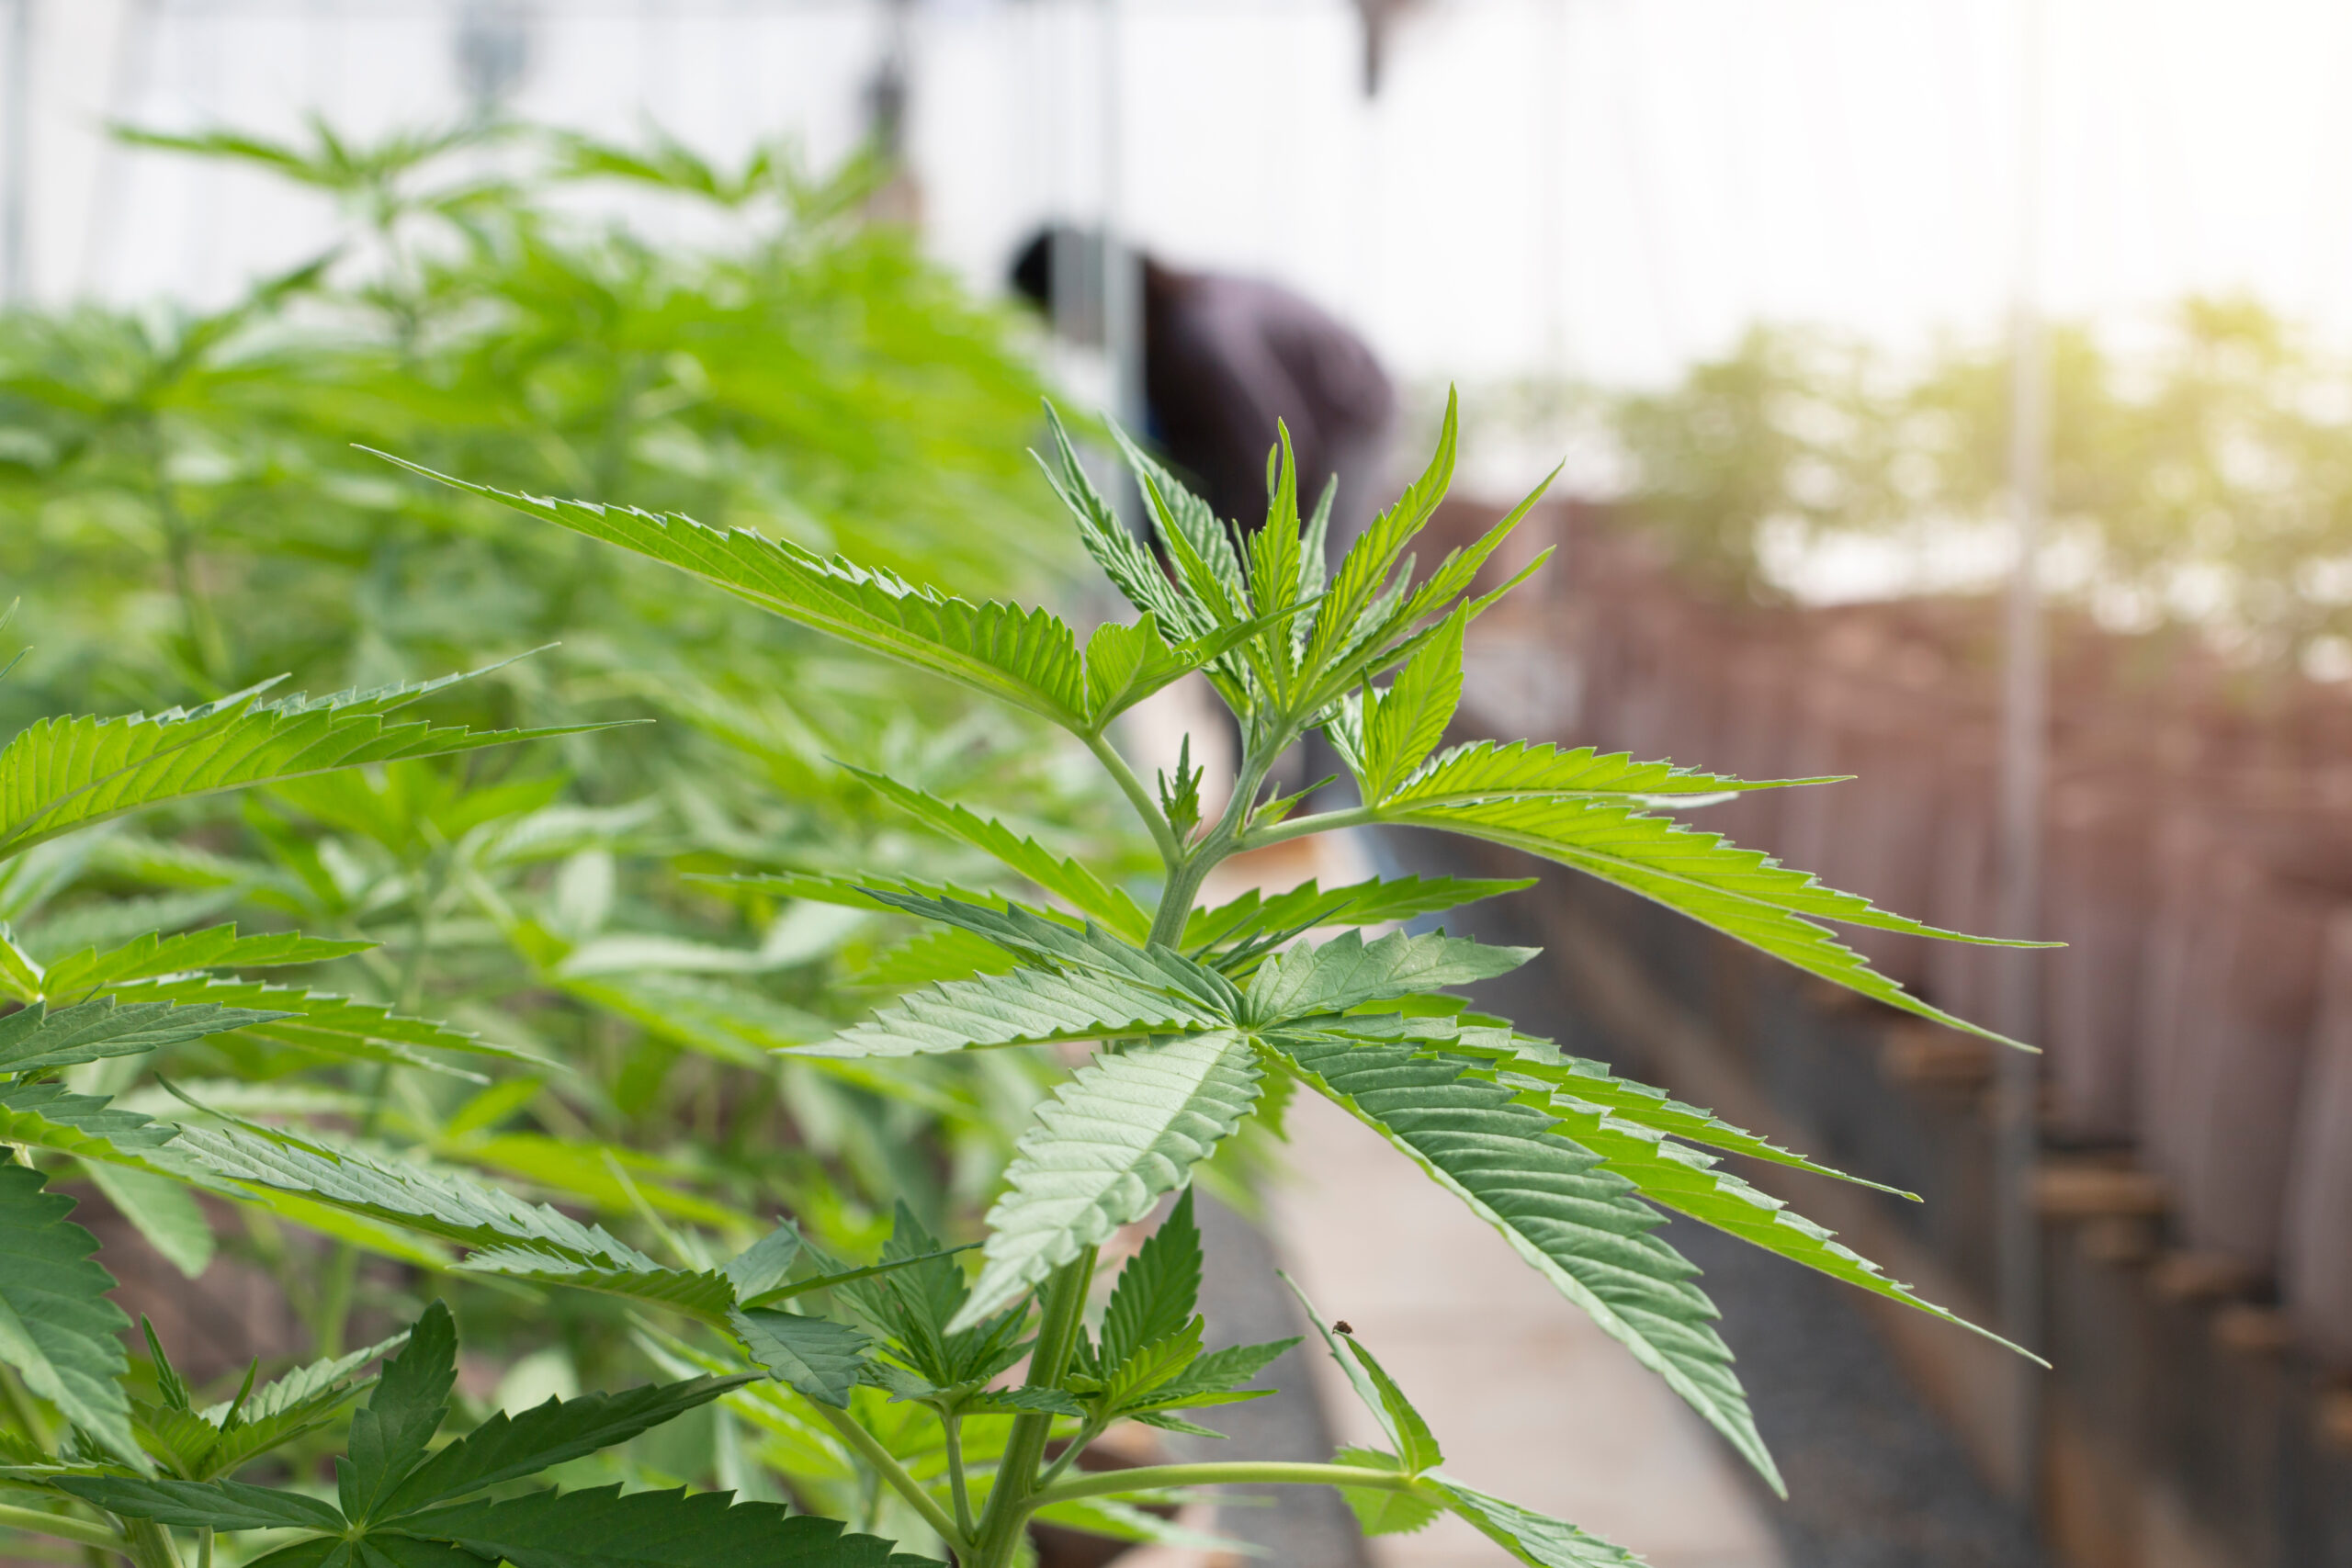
x=1874 y=1479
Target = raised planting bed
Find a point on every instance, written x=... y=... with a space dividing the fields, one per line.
x=2195 y=1184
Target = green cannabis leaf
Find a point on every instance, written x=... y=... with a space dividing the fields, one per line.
x=57 y=1328
x=400 y=1501
x=65 y=773
x=1205 y=1018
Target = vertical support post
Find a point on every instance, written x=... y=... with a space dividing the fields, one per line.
x=1122 y=265
x=1551 y=245
x=16 y=174
x=2023 y=776
x=1122 y=262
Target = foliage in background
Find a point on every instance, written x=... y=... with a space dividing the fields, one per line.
x=2203 y=481
x=509 y=970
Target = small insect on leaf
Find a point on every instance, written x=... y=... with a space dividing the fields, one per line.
x=1341 y=1326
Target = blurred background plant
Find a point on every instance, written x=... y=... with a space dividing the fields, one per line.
x=186 y=509
x=2200 y=477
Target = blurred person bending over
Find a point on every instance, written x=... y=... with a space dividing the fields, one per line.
x=1224 y=358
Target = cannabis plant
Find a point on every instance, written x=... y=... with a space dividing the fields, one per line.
x=1207 y=1017
x=86 y=1430
x=878 y=1387
x=183 y=494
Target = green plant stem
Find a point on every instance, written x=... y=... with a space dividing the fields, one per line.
x=1077 y=1444
x=1017 y=1478
x=1302 y=827
x=954 y=1427
x=1176 y=900
x=334 y=1314
x=1237 y=1472
x=60 y=1526
x=885 y=1464
x=1016 y=1474
x=1163 y=834
x=1184 y=878
x=203 y=631
x=204 y=1547
x=150 y=1544
x=22 y=1409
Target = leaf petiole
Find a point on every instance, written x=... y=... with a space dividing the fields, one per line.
x=60 y=1526
x=1303 y=826
x=1234 y=1473
x=1069 y=1455
x=885 y=1464
x=1164 y=836
x=954 y=1427
x=1063 y=1307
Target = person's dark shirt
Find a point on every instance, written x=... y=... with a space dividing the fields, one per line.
x=1224 y=356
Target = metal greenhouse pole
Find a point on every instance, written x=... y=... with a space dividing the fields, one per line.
x=16 y=174
x=2023 y=771
x=1122 y=267
x=1122 y=263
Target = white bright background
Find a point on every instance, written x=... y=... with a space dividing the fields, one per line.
x=1595 y=189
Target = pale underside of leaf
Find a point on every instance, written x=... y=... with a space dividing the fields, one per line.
x=1349 y=972
x=438 y=1203
x=817 y=1357
x=1026 y=1007
x=1126 y=1129
x=1578 y=1085
x=1529 y=1536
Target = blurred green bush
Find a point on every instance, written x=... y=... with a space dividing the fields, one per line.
x=186 y=509
x=2201 y=477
